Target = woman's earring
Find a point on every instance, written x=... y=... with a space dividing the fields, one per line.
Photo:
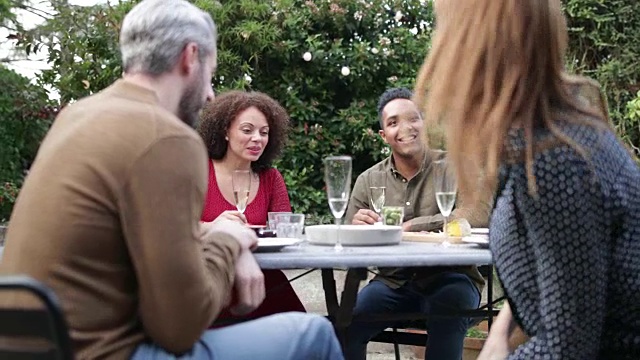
x=226 y=138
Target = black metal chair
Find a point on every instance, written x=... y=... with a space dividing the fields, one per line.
x=417 y=321
x=35 y=334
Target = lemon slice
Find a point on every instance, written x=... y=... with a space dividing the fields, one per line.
x=459 y=228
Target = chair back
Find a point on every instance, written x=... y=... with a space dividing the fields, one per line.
x=36 y=334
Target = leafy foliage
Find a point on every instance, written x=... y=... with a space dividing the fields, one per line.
x=604 y=45
x=633 y=122
x=633 y=108
x=82 y=45
x=8 y=194
x=327 y=62
x=7 y=14
x=25 y=116
x=261 y=47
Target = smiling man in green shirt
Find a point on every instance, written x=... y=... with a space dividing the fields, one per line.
x=408 y=177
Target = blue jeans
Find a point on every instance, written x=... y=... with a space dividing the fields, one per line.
x=449 y=292
x=286 y=336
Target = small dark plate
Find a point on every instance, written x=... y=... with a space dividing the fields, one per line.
x=266 y=233
x=262 y=231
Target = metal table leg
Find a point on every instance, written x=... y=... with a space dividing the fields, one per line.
x=330 y=296
x=342 y=314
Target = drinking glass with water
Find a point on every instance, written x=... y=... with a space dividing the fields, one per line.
x=393 y=215
x=271 y=218
x=289 y=225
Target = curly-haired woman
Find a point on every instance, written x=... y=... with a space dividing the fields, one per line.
x=247 y=131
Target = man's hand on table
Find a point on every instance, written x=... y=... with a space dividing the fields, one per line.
x=369 y=217
x=365 y=217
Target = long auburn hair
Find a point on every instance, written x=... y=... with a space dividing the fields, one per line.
x=495 y=65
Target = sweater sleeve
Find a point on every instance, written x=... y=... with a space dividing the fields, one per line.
x=565 y=230
x=183 y=281
x=279 y=198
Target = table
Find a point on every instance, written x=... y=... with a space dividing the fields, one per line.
x=358 y=259
x=405 y=254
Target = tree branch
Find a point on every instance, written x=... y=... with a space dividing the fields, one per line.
x=35 y=11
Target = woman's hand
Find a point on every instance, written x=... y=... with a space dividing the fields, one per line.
x=232 y=215
x=497 y=345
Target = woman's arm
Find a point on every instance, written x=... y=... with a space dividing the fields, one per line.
x=497 y=345
x=568 y=235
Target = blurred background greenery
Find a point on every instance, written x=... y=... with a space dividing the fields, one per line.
x=327 y=62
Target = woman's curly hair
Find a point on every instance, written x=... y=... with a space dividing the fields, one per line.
x=216 y=117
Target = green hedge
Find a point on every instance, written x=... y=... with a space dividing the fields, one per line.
x=25 y=116
x=605 y=45
x=263 y=46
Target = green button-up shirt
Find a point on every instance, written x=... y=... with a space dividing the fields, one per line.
x=417 y=196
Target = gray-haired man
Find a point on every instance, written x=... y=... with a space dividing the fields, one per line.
x=109 y=214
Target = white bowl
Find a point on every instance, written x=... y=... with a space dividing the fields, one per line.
x=354 y=235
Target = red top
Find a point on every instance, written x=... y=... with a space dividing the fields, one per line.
x=272 y=196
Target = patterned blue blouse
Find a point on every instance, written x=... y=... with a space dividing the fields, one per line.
x=569 y=258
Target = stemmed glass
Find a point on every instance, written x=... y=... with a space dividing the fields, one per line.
x=377 y=189
x=241 y=182
x=446 y=187
x=337 y=177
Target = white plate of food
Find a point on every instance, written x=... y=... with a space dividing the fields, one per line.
x=275 y=244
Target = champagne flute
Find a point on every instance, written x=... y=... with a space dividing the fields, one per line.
x=241 y=182
x=377 y=190
x=337 y=176
x=445 y=188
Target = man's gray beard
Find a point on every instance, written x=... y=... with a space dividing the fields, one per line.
x=191 y=103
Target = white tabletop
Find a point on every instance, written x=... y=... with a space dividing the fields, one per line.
x=405 y=254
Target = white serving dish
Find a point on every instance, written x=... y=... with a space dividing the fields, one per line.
x=354 y=235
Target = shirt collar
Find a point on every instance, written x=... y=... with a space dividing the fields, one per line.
x=391 y=164
x=130 y=90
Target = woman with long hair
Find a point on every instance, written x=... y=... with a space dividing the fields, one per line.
x=565 y=230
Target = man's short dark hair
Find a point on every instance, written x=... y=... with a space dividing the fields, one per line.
x=390 y=95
